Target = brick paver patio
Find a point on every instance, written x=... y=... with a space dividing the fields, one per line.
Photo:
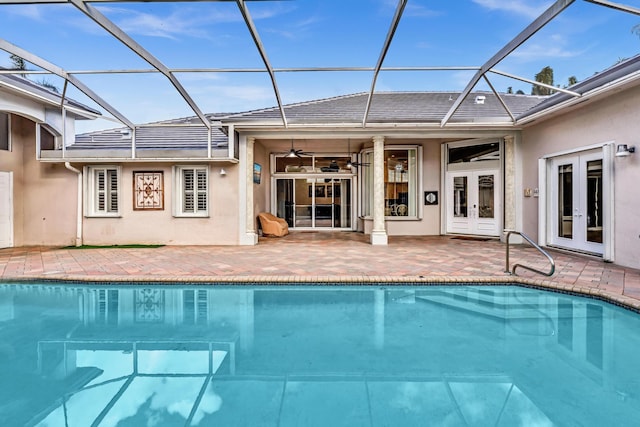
x=319 y=257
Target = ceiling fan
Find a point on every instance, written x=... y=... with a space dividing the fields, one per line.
x=296 y=153
x=349 y=162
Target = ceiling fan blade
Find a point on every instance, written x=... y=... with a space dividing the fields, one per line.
x=356 y=164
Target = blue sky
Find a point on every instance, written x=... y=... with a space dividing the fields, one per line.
x=584 y=39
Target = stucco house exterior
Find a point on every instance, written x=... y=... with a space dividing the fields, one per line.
x=553 y=167
x=37 y=200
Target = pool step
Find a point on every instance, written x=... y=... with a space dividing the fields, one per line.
x=492 y=303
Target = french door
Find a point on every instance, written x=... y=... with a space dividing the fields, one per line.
x=576 y=199
x=315 y=203
x=473 y=200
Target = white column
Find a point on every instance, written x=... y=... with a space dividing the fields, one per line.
x=250 y=236
x=509 y=183
x=379 y=232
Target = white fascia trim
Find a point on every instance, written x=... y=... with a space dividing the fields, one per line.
x=48 y=101
x=577 y=150
x=248 y=126
x=137 y=160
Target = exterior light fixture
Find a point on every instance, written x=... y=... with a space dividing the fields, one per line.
x=223 y=172
x=624 y=150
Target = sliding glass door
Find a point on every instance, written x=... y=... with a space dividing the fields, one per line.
x=315 y=203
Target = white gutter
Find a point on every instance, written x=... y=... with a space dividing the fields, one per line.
x=79 y=207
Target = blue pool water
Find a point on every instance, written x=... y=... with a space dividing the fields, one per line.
x=140 y=356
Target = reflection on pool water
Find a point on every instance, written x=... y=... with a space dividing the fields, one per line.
x=314 y=356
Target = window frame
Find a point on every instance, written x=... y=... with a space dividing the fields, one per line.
x=8 y=115
x=92 y=208
x=366 y=179
x=180 y=191
x=43 y=129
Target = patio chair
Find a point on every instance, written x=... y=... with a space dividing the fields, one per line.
x=272 y=225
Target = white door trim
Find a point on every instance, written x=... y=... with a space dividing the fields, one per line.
x=6 y=202
x=545 y=206
x=472 y=220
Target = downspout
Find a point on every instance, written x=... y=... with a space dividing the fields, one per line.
x=79 y=209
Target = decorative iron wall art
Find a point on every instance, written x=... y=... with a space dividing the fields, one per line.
x=149 y=305
x=148 y=191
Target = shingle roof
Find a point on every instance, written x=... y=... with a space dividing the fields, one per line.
x=152 y=137
x=396 y=107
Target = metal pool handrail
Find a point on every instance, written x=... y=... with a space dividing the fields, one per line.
x=535 y=245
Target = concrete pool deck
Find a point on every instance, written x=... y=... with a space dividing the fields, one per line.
x=320 y=257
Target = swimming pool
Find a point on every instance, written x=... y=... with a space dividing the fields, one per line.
x=202 y=355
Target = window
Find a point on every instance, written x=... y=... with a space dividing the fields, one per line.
x=4 y=132
x=474 y=153
x=108 y=307
x=400 y=182
x=48 y=138
x=191 y=191
x=103 y=195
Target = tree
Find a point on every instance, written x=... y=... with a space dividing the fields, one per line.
x=47 y=84
x=18 y=63
x=572 y=80
x=544 y=76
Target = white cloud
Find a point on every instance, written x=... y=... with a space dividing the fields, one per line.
x=295 y=30
x=528 y=8
x=183 y=21
x=412 y=9
x=416 y=10
x=30 y=11
x=555 y=46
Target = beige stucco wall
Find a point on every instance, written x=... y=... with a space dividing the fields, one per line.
x=614 y=119
x=161 y=227
x=429 y=224
x=44 y=195
x=261 y=192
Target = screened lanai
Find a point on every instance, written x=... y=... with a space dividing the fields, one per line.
x=142 y=62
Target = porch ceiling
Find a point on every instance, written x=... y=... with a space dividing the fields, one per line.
x=149 y=54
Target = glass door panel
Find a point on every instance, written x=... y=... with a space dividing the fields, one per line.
x=304 y=195
x=594 y=201
x=565 y=201
x=323 y=206
x=486 y=196
x=284 y=200
x=460 y=191
x=458 y=213
x=340 y=190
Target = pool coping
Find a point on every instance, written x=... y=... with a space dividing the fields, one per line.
x=595 y=293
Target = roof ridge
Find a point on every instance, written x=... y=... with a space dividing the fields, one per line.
x=295 y=104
